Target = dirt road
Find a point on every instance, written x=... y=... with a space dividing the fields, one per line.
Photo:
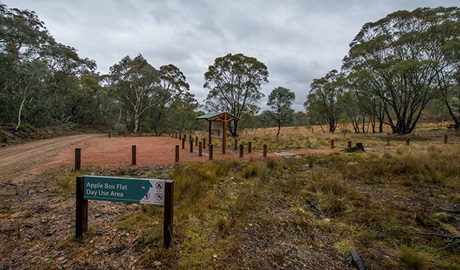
x=24 y=161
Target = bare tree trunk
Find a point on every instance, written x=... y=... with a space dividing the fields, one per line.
x=136 y=123
x=321 y=126
x=451 y=112
x=373 y=122
x=20 y=108
x=20 y=113
x=119 y=117
x=279 y=129
x=235 y=127
x=156 y=123
x=137 y=115
x=332 y=124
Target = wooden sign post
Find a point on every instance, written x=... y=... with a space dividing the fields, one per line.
x=77 y=159
x=133 y=154
x=177 y=153
x=211 y=150
x=128 y=190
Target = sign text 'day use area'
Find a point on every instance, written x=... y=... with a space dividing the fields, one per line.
x=130 y=190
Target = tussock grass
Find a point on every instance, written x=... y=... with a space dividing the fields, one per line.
x=251 y=170
x=194 y=180
x=289 y=139
x=414 y=259
x=62 y=181
x=343 y=247
x=413 y=167
x=333 y=196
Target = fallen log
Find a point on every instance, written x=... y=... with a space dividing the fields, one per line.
x=357 y=260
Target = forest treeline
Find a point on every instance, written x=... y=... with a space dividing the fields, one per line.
x=398 y=67
x=45 y=83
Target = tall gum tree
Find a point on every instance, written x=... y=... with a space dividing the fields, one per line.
x=280 y=101
x=36 y=72
x=403 y=58
x=136 y=82
x=446 y=45
x=175 y=99
x=234 y=83
x=360 y=101
x=324 y=99
x=23 y=39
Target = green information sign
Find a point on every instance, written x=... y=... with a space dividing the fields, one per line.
x=117 y=189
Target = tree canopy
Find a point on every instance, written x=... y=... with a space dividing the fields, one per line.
x=36 y=72
x=135 y=82
x=406 y=59
x=179 y=103
x=43 y=82
x=396 y=67
x=324 y=100
x=234 y=83
x=280 y=101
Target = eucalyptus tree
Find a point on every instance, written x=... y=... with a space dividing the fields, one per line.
x=184 y=112
x=92 y=103
x=300 y=119
x=136 y=82
x=354 y=111
x=266 y=119
x=23 y=39
x=250 y=121
x=37 y=73
x=324 y=99
x=446 y=47
x=280 y=101
x=66 y=66
x=176 y=104
x=403 y=57
x=362 y=103
x=234 y=82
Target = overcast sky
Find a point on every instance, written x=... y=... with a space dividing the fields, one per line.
x=298 y=40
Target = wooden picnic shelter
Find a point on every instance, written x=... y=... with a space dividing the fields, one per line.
x=218 y=126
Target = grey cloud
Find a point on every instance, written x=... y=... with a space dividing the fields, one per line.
x=298 y=40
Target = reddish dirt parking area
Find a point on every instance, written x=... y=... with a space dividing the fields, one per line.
x=25 y=161
x=150 y=151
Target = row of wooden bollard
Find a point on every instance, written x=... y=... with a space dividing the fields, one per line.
x=200 y=153
x=333 y=144
x=211 y=150
x=387 y=140
x=250 y=147
x=408 y=140
x=78 y=157
x=184 y=139
x=201 y=146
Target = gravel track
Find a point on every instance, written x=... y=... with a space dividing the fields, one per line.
x=23 y=162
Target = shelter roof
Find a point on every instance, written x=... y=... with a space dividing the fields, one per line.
x=218 y=117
